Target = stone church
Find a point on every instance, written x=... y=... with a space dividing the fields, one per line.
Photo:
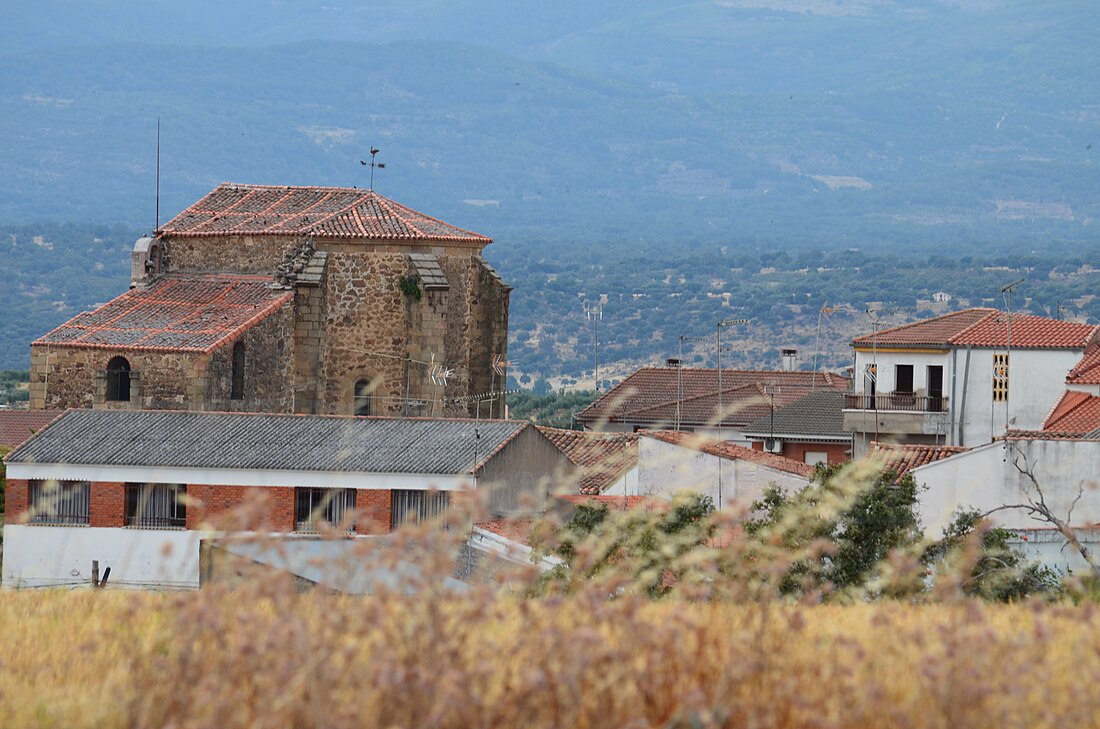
x=291 y=300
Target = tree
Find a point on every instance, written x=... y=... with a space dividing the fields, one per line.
x=840 y=528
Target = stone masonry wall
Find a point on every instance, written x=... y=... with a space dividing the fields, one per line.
x=267 y=369
x=309 y=336
x=233 y=254
x=71 y=378
x=487 y=334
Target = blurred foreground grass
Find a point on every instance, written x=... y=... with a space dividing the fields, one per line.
x=269 y=657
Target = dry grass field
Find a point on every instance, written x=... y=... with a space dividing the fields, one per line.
x=265 y=656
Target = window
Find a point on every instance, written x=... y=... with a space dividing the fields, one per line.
x=1000 y=378
x=156 y=505
x=413 y=507
x=903 y=381
x=59 y=502
x=812 y=458
x=332 y=506
x=118 y=380
x=363 y=390
x=236 y=389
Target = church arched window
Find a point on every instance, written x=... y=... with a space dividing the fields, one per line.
x=118 y=380
x=236 y=388
x=362 y=400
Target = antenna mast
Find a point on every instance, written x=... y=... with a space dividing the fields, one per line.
x=156 y=225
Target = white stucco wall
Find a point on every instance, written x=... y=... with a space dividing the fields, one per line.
x=665 y=468
x=985 y=478
x=38 y=556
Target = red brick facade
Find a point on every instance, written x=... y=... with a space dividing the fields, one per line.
x=837 y=452
x=231 y=508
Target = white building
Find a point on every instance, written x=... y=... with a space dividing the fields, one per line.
x=962 y=378
x=732 y=475
x=136 y=491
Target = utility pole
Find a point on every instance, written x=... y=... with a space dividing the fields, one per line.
x=594 y=312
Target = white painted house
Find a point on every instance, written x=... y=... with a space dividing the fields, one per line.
x=137 y=490
x=962 y=378
x=732 y=475
x=999 y=474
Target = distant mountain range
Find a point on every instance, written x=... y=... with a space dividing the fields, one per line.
x=831 y=121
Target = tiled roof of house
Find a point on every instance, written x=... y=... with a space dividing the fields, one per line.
x=322 y=212
x=730 y=451
x=1087 y=371
x=622 y=503
x=983 y=328
x=17 y=426
x=602 y=457
x=903 y=458
x=177 y=313
x=1050 y=435
x=516 y=529
x=268 y=442
x=1075 y=412
x=817 y=415
x=649 y=395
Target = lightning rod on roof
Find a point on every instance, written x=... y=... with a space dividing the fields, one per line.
x=156 y=222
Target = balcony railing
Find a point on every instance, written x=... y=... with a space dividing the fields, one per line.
x=904 y=401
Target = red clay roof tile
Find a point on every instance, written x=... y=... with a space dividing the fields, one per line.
x=902 y=458
x=983 y=328
x=177 y=313
x=17 y=426
x=649 y=395
x=1087 y=371
x=602 y=457
x=1075 y=412
x=322 y=212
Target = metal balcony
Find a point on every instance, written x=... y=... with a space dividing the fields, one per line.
x=897 y=402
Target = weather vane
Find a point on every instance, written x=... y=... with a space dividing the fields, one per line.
x=380 y=165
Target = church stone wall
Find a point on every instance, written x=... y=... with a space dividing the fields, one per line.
x=231 y=254
x=267 y=369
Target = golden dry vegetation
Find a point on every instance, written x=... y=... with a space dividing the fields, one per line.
x=265 y=656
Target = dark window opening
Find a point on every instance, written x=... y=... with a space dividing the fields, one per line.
x=156 y=506
x=236 y=391
x=118 y=380
x=332 y=506
x=362 y=403
x=413 y=507
x=60 y=502
x=903 y=382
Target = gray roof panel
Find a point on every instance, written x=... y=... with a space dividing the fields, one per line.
x=268 y=442
x=820 y=414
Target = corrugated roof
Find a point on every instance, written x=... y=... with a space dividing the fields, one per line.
x=602 y=457
x=649 y=395
x=177 y=313
x=983 y=328
x=268 y=442
x=817 y=415
x=903 y=458
x=730 y=451
x=321 y=212
x=17 y=426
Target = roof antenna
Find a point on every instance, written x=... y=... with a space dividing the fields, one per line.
x=156 y=226
x=380 y=165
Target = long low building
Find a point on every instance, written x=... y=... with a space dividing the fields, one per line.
x=135 y=490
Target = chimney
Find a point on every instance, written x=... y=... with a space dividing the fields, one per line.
x=789 y=357
x=672 y=362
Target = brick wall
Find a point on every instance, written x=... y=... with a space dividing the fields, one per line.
x=374 y=509
x=107 y=502
x=17 y=500
x=240 y=508
x=837 y=452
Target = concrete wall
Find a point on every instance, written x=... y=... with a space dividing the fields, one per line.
x=986 y=478
x=528 y=469
x=664 y=469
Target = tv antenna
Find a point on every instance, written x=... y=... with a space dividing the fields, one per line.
x=156 y=224
x=380 y=165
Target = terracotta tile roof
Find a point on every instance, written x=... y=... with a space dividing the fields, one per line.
x=649 y=395
x=1028 y=332
x=322 y=212
x=178 y=313
x=602 y=457
x=518 y=530
x=617 y=502
x=1087 y=371
x=902 y=458
x=983 y=328
x=1049 y=435
x=730 y=451
x=18 y=425
x=1075 y=412
x=818 y=415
